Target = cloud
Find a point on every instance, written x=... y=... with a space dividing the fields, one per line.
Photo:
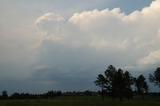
x=151 y=59
x=49 y=20
x=122 y=39
x=51 y=24
x=72 y=51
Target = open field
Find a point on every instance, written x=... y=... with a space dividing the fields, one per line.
x=81 y=101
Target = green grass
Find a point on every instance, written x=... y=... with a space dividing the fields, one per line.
x=81 y=101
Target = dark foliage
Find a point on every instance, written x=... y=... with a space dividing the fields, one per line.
x=117 y=83
x=4 y=94
x=49 y=94
x=141 y=85
x=155 y=77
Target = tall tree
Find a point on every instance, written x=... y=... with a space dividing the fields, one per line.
x=123 y=82
x=119 y=84
x=128 y=81
x=141 y=85
x=116 y=83
x=110 y=74
x=101 y=81
x=155 y=77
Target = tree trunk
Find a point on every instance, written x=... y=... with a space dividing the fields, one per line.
x=102 y=91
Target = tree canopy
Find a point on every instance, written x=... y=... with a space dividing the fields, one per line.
x=116 y=83
x=141 y=85
x=155 y=77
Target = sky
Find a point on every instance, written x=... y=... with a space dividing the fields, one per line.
x=63 y=45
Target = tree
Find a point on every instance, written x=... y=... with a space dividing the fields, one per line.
x=123 y=82
x=110 y=74
x=141 y=85
x=101 y=81
x=116 y=83
x=4 y=94
x=155 y=77
x=119 y=84
x=128 y=81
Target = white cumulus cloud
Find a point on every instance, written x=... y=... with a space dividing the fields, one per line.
x=128 y=38
x=152 y=58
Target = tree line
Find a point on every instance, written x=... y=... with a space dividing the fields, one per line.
x=49 y=94
x=119 y=84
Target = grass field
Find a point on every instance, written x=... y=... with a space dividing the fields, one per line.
x=81 y=101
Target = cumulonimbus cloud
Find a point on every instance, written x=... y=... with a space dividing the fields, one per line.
x=128 y=38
